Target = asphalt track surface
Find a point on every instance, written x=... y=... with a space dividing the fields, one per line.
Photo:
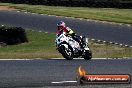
x=43 y=73
x=120 y=34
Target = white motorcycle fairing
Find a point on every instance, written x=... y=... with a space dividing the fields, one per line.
x=69 y=48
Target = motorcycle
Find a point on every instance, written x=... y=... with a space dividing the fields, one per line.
x=69 y=48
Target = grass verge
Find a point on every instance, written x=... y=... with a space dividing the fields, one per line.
x=102 y=14
x=41 y=45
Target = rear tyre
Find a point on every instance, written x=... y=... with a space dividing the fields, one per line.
x=66 y=52
x=87 y=55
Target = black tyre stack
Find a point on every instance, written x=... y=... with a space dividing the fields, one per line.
x=12 y=35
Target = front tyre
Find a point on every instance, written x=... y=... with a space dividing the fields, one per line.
x=66 y=52
x=87 y=55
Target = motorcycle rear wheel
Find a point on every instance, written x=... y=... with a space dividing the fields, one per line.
x=87 y=55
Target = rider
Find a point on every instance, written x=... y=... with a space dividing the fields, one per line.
x=67 y=31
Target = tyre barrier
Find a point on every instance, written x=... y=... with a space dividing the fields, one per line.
x=12 y=35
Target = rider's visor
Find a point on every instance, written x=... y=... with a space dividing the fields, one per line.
x=60 y=27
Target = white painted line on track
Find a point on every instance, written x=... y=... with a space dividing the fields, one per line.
x=104 y=41
x=99 y=40
x=25 y=12
x=80 y=19
x=2 y=25
x=128 y=25
x=18 y=11
x=92 y=39
x=14 y=59
x=62 y=59
x=64 y=82
x=46 y=32
x=126 y=45
x=78 y=58
x=121 y=44
x=111 y=42
x=91 y=59
x=116 y=43
x=33 y=13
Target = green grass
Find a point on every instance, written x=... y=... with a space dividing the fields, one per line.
x=103 y=14
x=41 y=45
x=106 y=50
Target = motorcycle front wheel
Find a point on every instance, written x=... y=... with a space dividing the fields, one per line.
x=66 y=52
